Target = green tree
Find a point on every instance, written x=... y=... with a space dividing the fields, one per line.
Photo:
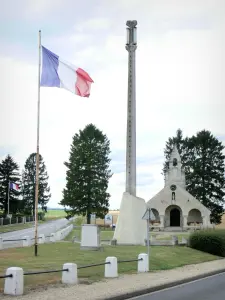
x=207 y=182
x=28 y=184
x=88 y=174
x=9 y=172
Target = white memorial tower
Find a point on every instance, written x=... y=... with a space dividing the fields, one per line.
x=130 y=228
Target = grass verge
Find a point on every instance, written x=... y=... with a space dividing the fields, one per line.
x=104 y=234
x=14 y=227
x=107 y=234
x=55 y=214
x=53 y=256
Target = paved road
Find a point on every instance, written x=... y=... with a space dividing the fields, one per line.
x=211 y=288
x=45 y=228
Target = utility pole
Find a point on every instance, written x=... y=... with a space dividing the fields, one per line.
x=131 y=47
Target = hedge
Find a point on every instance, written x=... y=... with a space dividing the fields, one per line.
x=210 y=241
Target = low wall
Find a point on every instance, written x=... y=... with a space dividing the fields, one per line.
x=28 y=241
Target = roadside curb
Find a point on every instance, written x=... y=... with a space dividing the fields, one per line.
x=149 y=290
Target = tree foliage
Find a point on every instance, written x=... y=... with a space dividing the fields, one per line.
x=203 y=162
x=88 y=174
x=9 y=172
x=28 y=184
x=207 y=172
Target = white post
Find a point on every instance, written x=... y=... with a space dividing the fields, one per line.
x=26 y=241
x=111 y=269
x=41 y=239
x=14 y=285
x=143 y=263
x=70 y=276
x=184 y=241
x=52 y=237
x=174 y=240
x=1 y=243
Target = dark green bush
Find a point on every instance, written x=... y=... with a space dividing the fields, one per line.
x=41 y=215
x=210 y=241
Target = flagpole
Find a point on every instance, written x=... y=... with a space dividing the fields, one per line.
x=37 y=152
x=8 y=195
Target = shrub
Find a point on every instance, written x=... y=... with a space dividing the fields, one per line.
x=210 y=241
x=41 y=215
x=104 y=226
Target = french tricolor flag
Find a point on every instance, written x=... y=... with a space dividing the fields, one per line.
x=57 y=73
x=14 y=186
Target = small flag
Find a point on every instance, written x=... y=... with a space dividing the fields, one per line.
x=14 y=186
x=56 y=73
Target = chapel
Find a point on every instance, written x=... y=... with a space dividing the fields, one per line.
x=174 y=208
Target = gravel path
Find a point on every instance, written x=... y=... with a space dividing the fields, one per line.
x=121 y=285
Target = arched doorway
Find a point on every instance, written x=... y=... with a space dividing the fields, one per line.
x=175 y=217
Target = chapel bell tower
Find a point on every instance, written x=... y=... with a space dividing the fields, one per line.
x=175 y=175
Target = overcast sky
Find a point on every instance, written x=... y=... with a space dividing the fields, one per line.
x=180 y=80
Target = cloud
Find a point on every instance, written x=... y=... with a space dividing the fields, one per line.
x=180 y=71
x=94 y=24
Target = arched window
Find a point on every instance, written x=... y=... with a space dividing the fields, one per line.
x=174 y=162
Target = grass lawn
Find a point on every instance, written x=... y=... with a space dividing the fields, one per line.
x=55 y=214
x=53 y=256
x=107 y=234
x=14 y=227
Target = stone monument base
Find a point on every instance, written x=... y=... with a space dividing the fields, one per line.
x=130 y=228
x=90 y=237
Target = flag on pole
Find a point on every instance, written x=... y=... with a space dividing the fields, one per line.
x=14 y=186
x=57 y=73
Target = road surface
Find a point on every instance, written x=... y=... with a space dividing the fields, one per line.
x=210 y=288
x=45 y=228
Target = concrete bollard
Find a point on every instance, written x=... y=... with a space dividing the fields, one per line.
x=27 y=241
x=143 y=263
x=184 y=241
x=174 y=240
x=41 y=239
x=14 y=285
x=70 y=276
x=52 y=237
x=1 y=243
x=111 y=269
